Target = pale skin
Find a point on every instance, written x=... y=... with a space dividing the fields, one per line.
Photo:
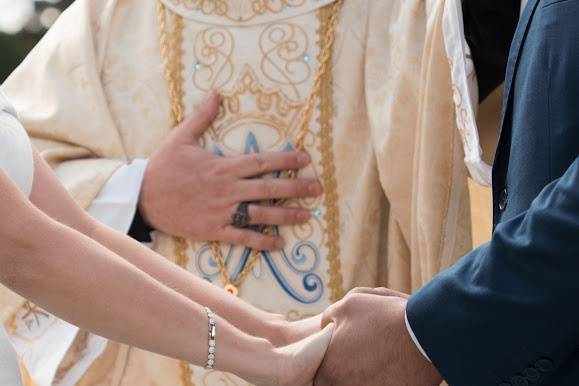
x=188 y=191
x=54 y=254
x=371 y=344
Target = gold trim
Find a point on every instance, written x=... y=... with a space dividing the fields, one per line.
x=186 y=374
x=224 y=8
x=171 y=54
x=328 y=175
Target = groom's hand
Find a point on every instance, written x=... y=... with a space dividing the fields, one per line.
x=189 y=192
x=371 y=345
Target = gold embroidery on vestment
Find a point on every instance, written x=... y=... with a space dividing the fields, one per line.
x=237 y=10
x=331 y=199
x=281 y=46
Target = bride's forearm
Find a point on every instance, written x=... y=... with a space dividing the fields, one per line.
x=49 y=195
x=244 y=316
x=82 y=282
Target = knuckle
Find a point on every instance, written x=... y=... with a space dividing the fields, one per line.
x=270 y=188
x=243 y=238
x=357 y=290
x=382 y=289
x=386 y=291
x=258 y=214
x=229 y=212
x=229 y=192
x=302 y=188
x=350 y=301
x=294 y=217
x=219 y=167
x=295 y=159
x=267 y=243
x=287 y=160
x=328 y=315
x=260 y=163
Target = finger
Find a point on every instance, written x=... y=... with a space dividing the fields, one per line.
x=277 y=188
x=330 y=314
x=346 y=306
x=327 y=318
x=259 y=164
x=271 y=215
x=193 y=127
x=251 y=239
x=381 y=291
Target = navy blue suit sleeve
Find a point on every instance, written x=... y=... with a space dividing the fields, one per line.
x=509 y=307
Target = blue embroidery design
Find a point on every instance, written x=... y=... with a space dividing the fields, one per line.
x=302 y=261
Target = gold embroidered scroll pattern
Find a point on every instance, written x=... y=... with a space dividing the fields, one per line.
x=238 y=10
x=213 y=49
x=269 y=107
x=285 y=58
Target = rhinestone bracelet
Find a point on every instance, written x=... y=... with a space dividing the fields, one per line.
x=212 y=339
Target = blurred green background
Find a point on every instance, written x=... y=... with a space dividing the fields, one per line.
x=22 y=24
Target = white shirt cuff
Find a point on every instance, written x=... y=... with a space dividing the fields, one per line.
x=117 y=201
x=414 y=339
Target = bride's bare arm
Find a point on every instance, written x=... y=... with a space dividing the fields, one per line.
x=79 y=280
x=50 y=197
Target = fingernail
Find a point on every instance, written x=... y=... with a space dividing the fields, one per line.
x=210 y=96
x=305 y=216
x=315 y=188
x=303 y=158
x=280 y=243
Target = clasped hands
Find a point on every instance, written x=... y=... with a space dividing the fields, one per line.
x=371 y=344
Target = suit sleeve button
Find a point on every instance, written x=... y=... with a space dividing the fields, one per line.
x=503 y=199
x=531 y=374
x=544 y=365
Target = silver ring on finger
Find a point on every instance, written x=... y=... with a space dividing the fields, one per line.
x=241 y=218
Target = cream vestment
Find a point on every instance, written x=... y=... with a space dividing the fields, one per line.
x=383 y=142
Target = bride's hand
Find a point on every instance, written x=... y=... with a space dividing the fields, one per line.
x=300 y=361
x=286 y=332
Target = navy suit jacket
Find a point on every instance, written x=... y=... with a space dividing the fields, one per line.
x=508 y=313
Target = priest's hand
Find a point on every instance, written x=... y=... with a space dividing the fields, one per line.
x=371 y=345
x=190 y=192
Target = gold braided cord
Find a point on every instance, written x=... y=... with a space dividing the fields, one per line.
x=323 y=67
x=332 y=214
x=173 y=68
x=177 y=66
x=174 y=78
